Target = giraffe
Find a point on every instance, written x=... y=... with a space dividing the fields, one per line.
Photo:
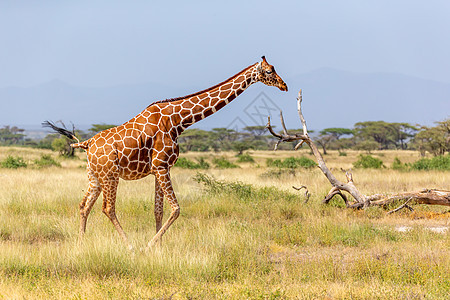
x=147 y=144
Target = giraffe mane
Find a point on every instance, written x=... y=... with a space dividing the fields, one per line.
x=202 y=91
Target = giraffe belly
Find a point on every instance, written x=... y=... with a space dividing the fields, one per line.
x=134 y=166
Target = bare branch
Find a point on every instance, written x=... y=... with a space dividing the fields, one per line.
x=307 y=193
x=300 y=114
x=299 y=144
x=272 y=132
x=333 y=192
x=402 y=206
x=275 y=148
x=282 y=123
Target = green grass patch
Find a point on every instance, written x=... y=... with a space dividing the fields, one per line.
x=277 y=173
x=223 y=163
x=368 y=162
x=12 y=162
x=45 y=161
x=243 y=158
x=398 y=165
x=441 y=162
x=241 y=190
x=291 y=162
x=185 y=163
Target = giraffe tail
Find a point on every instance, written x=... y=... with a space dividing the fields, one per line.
x=67 y=133
x=83 y=145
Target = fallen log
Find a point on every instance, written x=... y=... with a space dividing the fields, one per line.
x=425 y=196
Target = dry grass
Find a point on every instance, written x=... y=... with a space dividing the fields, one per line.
x=222 y=246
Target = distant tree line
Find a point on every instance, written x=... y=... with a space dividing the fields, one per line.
x=368 y=136
x=13 y=136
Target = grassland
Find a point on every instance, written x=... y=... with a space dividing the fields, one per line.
x=266 y=244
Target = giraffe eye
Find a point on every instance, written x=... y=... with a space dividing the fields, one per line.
x=268 y=72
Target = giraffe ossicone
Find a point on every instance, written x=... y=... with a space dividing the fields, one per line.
x=147 y=144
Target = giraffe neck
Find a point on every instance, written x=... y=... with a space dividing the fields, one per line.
x=201 y=105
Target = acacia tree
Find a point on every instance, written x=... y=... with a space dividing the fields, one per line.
x=330 y=135
x=11 y=135
x=256 y=130
x=96 y=128
x=194 y=140
x=403 y=133
x=387 y=135
x=435 y=140
x=378 y=131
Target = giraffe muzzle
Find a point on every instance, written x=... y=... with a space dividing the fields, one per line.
x=283 y=87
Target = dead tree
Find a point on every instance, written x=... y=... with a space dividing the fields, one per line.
x=359 y=200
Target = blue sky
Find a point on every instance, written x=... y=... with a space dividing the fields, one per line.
x=199 y=43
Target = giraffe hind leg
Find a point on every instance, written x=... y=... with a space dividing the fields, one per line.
x=88 y=201
x=109 y=188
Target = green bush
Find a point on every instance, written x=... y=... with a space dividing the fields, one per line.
x=185 y=163
x=291 y=163
x=62 y=145
x=277 y=173
x=441 y=162
x=398 y=165
x=223 y=163
x=12 y=162
x=342 y=153
x=368 y=162
x=245 y=158
x=46 y=161
x=243 y=191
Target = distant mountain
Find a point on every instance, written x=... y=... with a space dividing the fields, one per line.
x=331 y=98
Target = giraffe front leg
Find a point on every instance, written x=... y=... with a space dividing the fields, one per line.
x=109 y=206
x=163 y=178
x=159 y=205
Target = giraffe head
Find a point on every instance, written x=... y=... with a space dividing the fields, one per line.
x=267 y=75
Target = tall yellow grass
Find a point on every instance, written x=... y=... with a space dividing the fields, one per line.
x=221 y=246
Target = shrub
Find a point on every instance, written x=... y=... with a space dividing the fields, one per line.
x=223 y=163
x=245 y=158
x=277 y=173
x=291 y=162
x=368 y=162
x=12 y=162
x=436 y=163
x=241 y=190
x=62 y=145
x=203 y=163
x=185 y=163
x=46 y=161
x=398 y=165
